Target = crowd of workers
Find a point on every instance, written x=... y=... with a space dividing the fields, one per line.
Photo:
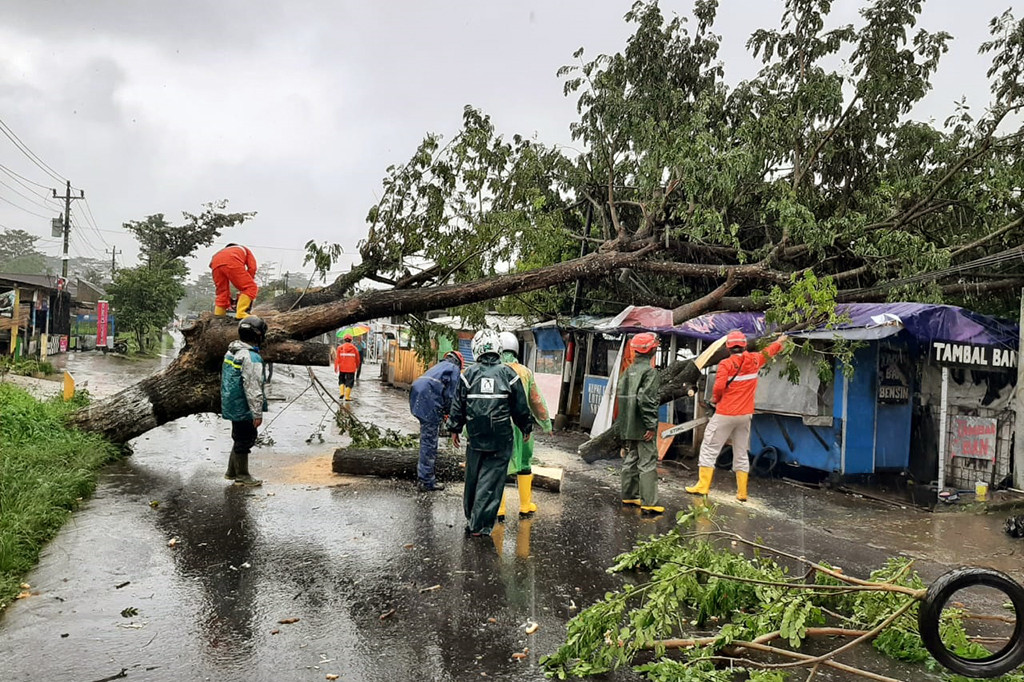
x=497 y=403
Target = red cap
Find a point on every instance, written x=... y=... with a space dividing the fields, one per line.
x=736 y=339
x=348 y=337
x=644 y=343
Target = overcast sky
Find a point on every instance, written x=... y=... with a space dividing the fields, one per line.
x=294 y=109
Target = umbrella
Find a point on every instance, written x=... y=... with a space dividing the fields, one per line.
x=353 y=331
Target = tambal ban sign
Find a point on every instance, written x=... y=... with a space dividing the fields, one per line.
x=973 y=437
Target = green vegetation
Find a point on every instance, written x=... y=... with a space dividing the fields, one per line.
x=694 y=584
x=371 y=436
x=27 y=367
x=45 y=470
x=145 y=297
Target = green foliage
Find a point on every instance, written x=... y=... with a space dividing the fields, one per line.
x=370 y=436
x=18 y=252
x=27 y=367
x=813 y=165
x=45 y=470
x=695 y=582
x=144 y=299
x=160 y=242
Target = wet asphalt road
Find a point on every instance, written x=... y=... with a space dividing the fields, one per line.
x=381 y=580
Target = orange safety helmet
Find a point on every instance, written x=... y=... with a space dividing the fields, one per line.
x=736 y=339
x=347 y=337
x=457 y=355
x=644 y=343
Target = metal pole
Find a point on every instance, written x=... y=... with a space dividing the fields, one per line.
x=67 y=229
x=1018 y=409
x=943 y=417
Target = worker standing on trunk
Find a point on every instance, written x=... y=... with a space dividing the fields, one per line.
x=522 y=450
x=490 y=400
x=234 y=265
x=733 y=396
x=637 y=421
x=346 y=364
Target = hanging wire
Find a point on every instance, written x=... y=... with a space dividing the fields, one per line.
x=32 y=156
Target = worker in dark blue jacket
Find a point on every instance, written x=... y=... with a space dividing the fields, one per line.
x=489 y=401
x=430 y=401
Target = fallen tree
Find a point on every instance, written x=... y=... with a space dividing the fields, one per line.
x=722 y=199
x=402 y=464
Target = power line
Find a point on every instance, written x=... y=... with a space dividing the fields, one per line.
x=22 y=180
x=23 y=148
x=31 y=200
x=5 y=199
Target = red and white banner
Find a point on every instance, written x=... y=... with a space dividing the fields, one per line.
x=102 y=313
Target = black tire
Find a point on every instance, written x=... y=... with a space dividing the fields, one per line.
x=940 y=592
x=765 y=462
x=724 y=460
x=121 y=347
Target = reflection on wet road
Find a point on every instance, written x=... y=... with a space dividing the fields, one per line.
x=377 y=581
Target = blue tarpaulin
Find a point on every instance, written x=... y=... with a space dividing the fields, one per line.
x=548 y=338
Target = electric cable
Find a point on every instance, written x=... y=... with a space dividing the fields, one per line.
x=32 y=156
x=31 y=200
x=6 y=200
x=21 y=178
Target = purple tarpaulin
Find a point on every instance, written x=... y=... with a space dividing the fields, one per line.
x=925 y=322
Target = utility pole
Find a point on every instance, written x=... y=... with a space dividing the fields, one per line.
x=1018 y=408
x=113 y=259
x=67 y=223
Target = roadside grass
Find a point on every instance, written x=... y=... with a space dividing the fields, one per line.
x=46 y=469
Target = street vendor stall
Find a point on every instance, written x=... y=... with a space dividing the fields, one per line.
x=926 y=379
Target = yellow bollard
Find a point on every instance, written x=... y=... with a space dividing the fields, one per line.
x=69 y=386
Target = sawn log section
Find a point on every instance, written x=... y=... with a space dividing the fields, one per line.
x=391 y=463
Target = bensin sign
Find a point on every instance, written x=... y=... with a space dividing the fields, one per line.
x=971 y=355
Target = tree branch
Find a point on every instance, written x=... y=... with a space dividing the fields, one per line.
x=987 y=238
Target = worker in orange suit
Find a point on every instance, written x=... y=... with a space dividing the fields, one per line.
x=346 y=364
x=234 y=265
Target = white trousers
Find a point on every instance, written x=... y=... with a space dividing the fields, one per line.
x=719 y=430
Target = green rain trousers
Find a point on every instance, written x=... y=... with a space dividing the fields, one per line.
x=485 y=482
x=522 y=451
x=640 y=472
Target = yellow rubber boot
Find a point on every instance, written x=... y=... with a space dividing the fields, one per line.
x=341 y=390
x=703 y=483
x=242 y=310
x=498 y=538
x=501 y=509
x=348 y=393
x=741 y=485
x=526 y=505
x=219 y=312
x=523 y=539
x=634 y=502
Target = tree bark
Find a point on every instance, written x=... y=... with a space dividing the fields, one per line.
x=388 y=463
x=191 y=383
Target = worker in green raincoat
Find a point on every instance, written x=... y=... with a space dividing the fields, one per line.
x=637 y=422
x=522 y=452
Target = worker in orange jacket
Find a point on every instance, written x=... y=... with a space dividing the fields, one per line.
x=234 y=265
x=733 y=396
x=346 y=364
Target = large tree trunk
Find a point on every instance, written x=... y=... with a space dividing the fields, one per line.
x=388 y=463
x=191 y=383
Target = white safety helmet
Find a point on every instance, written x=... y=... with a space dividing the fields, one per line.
x=486 y=341
x=510 y=342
